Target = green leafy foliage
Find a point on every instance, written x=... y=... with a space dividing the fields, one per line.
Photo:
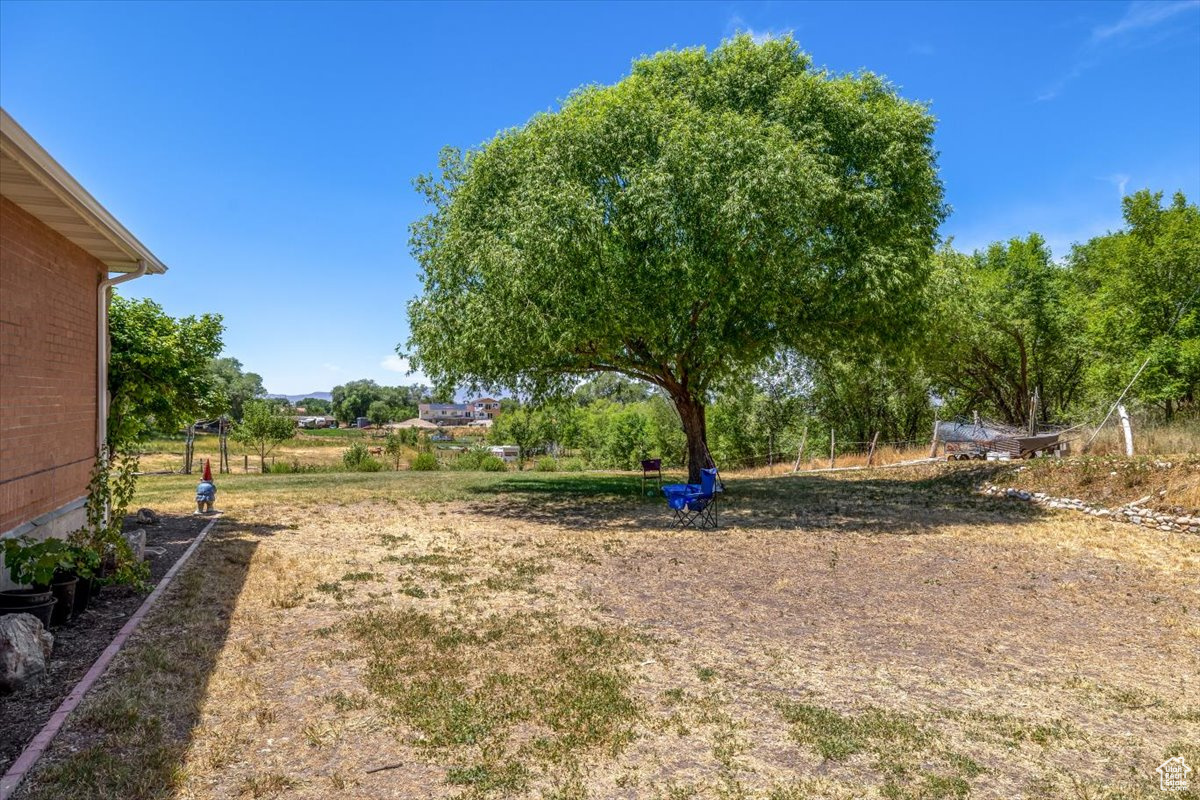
x=859 y=395
x=395 y=442
x=315 y=405
x=679 y=227
x=110 y=492
x=477 y=459
x=356 y=399
x=358 y=459
x=35 y=563
x=380 y=413
x=425 y=462
x=1003 y=329
x=263 y=428
x=160 y=370
x=236 y=386
x=1137 y=291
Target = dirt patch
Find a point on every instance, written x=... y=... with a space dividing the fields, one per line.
x=80 y=642
x=890 y=635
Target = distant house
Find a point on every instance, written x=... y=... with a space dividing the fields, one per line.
x=452 y=414
x=58 y=247
x=486 y=408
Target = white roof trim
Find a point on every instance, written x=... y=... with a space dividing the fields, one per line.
x=16 y=144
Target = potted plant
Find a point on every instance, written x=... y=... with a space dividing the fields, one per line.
x=85 y=561
x=34 y=564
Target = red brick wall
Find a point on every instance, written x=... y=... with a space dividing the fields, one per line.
x=47 y=367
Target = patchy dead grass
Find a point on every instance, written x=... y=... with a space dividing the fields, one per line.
x=1165 y=483
x=856 y=635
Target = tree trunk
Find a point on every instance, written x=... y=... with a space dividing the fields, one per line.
x=691 y=413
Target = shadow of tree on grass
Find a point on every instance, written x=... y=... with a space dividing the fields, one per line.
x=875 y=502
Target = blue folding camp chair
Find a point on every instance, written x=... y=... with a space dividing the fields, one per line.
x=695 y=505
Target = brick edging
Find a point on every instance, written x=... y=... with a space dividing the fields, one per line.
x=38 y=745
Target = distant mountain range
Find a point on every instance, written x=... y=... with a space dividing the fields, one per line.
x=291 y=398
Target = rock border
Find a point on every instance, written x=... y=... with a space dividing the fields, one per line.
x=40 y=743
x=1132 y=513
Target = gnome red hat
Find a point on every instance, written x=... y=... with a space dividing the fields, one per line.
x=207 y=471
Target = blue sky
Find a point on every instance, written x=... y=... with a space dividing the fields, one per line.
x=265 y=151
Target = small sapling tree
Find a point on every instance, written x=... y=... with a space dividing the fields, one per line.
x=263 y=428
x=393 y=445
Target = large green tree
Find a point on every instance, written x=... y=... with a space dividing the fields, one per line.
x=159 y=374
x=680 y=226
x=237 y=386
x=1139 y=304
x=1002 y=327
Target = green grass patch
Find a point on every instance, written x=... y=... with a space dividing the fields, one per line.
x=465 y=690
x=910 y=757
x=517 y=575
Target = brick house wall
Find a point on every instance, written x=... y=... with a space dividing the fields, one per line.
x=48 y=375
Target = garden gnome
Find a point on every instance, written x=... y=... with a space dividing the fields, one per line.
x=206 y=491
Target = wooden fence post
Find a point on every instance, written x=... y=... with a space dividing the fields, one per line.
x=189 y=449
x=800 y=452
x=831 y=450
x=871 y=451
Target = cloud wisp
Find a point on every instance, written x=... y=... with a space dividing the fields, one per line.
x=1119 y=180
x=1140 y=17
x=737 y=25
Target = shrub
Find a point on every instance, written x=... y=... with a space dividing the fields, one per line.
x=425 y=462
x=478 y=459
x=491 y=463
x=546 y=464
x=358 y=459
x=355 y=454
x=572 y=465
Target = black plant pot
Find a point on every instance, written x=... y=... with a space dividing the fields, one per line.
x=85 y=590
x=30 y=597
x=64 y=592
x=42 y=611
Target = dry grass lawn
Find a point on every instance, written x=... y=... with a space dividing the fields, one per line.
x=856 y=635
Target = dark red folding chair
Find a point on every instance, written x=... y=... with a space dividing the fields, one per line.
x=651 y=466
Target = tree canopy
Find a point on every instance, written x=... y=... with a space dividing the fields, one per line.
x=678 y=227
x=236 y=386
x=1003 y=325
x=1138 y=301
x=355 y=399
x=159 y=371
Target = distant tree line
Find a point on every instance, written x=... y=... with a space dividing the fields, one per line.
x=379 y=404
x=998 y=328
